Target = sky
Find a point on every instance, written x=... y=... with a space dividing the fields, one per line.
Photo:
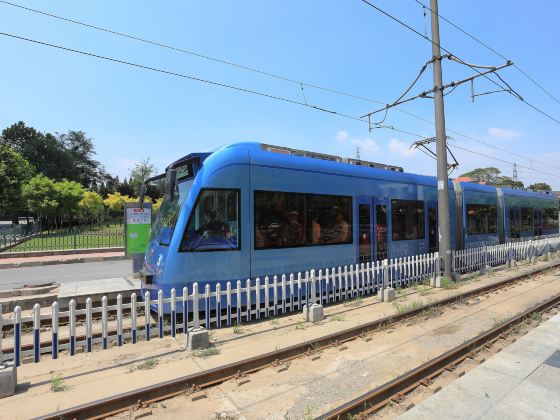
x=133 y=113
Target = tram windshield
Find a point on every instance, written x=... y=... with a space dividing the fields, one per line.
x=166 y=219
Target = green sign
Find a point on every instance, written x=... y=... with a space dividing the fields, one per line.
x=138 y=227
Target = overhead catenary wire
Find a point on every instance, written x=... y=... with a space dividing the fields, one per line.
x=532 y=80
x=465 y=63
x=262 y=72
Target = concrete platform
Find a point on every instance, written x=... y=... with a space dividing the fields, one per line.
x=520 y=382
x=80 y=291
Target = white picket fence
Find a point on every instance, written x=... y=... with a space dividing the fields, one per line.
x=238 y=303
x=473 y=259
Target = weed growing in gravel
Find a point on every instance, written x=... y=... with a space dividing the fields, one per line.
x=204 y=353
x=354 y=302
x=237 y=329
x=448 y=283
x=499 y=320
x=300 y=325
x=148 y=364
x=309 y=413
x=58 y=384
x=535 y=316
x=337 y=317
x=403 y=308
x=274 y=321
x=424 y=291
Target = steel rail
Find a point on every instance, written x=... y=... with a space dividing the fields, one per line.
x=375 y=399
x=168 y=389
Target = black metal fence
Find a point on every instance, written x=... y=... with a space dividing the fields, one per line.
x=25 y=238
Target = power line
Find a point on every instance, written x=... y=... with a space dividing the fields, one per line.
x=171 y=73
x=491 y=49
x=503 y=160
x=190 y=52
x=467 y=64
x=252 y=69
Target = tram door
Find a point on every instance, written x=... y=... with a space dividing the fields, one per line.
x=538 y=222
x=432 y=227
x=381 y=229
x=365 y=232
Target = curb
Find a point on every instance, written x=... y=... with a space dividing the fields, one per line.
x=25 y=264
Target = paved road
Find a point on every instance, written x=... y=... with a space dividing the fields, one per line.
x=11 y=278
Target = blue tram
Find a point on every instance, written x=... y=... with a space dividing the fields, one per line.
x=250 y=209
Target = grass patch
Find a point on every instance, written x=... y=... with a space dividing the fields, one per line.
x=58 y=384
x=448 y=283
x=403 y=308
x=337 y=317
x=274 y=321
x=499 y=320
x=300 y=325
x=205 y=353
x=354 y=302
x=148 y=364
x=237 y=329
x=535 y=316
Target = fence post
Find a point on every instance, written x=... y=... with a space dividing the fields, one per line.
x=72 y=307
x=228 y=299
x=258 y=297
x=186 y=311
x=292 y=292
x=147 y=305
x=299 y=290
x=218 y=305
x=89 y=322
x=207 y=306
x=238 y=299
x=275 y=294
x=248 y=292
x=133 y=317
x=36 y=333
x=75 y=240
x=104 y=321
x=173 y=312
x=17 y=335
x=119 y=320
x=283 y=293
x=54 y=330
x=196 y=320
x=160 y=312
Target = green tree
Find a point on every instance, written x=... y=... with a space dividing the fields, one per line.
x=40 y=196
x=124 y=188
x=91 y=206
x=492 y=176
x=141 y=171
x=68 y=195
x=14 y=171
x=85 y=169
x=44 y=151
x=540 y=186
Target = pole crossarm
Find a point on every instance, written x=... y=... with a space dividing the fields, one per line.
x=425 y=94
x=422 y=145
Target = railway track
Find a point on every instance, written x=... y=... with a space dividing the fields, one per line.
x=194 y=382
x=397 y=390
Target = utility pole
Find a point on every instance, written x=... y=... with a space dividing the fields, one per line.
x=441 y=148
x=514 y=177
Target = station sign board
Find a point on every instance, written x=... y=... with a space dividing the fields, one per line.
x=138 y=226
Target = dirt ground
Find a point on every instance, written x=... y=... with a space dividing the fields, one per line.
x=308 y=387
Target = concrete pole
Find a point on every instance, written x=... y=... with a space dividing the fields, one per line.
x=441 y=148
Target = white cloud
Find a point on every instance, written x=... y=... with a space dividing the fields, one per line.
x=401 y=149
x=368 y=146
x=342 y=136
x=503 y=133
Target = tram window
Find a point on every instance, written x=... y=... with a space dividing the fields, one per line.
x=284 y=220
x=526 y=219
x=550 y=218
x=408 y=219
x=515 y=222
x=481 y=219
x=214 y=224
